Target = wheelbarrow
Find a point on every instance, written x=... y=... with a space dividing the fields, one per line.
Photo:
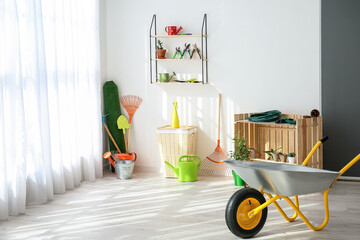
x=246 y=210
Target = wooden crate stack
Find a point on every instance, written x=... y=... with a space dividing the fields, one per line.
x=299 y=138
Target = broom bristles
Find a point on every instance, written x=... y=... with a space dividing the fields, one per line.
x=217 y=157
x=209 y=168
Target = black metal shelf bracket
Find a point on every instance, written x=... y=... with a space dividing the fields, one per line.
x=153 y=23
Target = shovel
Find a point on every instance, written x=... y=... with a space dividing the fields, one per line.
x=123 y=123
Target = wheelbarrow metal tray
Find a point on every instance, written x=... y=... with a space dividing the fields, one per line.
x=283 y=179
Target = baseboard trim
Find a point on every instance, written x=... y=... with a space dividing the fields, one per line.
x=353 y=179
x=146 y=169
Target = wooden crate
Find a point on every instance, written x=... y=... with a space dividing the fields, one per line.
x=299 y=138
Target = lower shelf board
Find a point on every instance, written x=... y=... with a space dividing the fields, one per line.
x=178 y=83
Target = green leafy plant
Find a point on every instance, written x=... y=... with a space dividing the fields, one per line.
x=241 y=151
x=270 y=153
x=160 y=45
x=292 y=154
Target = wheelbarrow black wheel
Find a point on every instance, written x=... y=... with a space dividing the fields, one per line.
x=237 y=209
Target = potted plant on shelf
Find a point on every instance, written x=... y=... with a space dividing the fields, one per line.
x=273 y=154
x=241 y=152
x=291 y=157
x=160 y=51
x=283 y=156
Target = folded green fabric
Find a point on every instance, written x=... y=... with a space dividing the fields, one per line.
x=269 y=116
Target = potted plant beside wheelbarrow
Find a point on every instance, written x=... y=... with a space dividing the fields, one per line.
x=241 y=152
x=246 y=210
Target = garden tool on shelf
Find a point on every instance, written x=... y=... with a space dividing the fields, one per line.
x=193 y=80
x=123 y=124
x=108 y=131
x=131 y=103
x=197 y=50
x=192 y=53
x=186 y=49
x=177 y=50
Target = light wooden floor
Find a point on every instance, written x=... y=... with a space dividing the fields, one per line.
x=152 y=207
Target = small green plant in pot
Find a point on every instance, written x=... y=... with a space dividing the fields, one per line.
x=160 y=51
x=241 y=152
x=291 y=157
x=273 y=154
x=283 y=156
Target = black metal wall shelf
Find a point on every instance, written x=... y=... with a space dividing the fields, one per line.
x=154 y=61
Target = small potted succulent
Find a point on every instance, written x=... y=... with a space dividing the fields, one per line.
x=291 y=157
x=160 y=51
x=241 y=152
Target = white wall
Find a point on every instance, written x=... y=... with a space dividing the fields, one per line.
x=263 y=55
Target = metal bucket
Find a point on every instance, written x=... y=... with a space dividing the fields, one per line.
x=124 y=169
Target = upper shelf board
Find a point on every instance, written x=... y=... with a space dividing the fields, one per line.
x=176 y=36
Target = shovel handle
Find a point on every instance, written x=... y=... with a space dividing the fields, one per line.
x=113 y=140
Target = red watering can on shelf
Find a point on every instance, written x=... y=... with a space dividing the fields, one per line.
x=171 y=30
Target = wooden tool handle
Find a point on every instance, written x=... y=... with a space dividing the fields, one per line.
x=113 y=140
x=128 y=142
x=219 y=116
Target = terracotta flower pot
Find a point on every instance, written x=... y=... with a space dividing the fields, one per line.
x=161 y=53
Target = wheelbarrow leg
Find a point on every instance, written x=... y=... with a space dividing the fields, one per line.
x=326 y=207
x=255 y=211
x=282 y=211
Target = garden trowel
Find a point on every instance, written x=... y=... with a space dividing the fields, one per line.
x=123 y=123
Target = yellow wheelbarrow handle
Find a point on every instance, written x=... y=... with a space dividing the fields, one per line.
x=317 y=145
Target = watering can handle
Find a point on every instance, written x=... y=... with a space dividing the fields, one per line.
x=191 y=156
x=135 y=156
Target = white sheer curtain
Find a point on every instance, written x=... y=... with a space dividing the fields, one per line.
x=50 y=117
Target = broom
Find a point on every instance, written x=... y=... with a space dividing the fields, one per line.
x=131 y=104
x=213 y=164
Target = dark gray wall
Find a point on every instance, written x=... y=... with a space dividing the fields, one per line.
x=340 y=39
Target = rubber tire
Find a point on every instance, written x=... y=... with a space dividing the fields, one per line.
x=232 y=207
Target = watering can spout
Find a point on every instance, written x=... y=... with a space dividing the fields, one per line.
x=175 y=169
x=173 y=74
x=177 y=31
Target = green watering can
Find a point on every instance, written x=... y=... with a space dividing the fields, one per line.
x=166 y=77
x=187 y=169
